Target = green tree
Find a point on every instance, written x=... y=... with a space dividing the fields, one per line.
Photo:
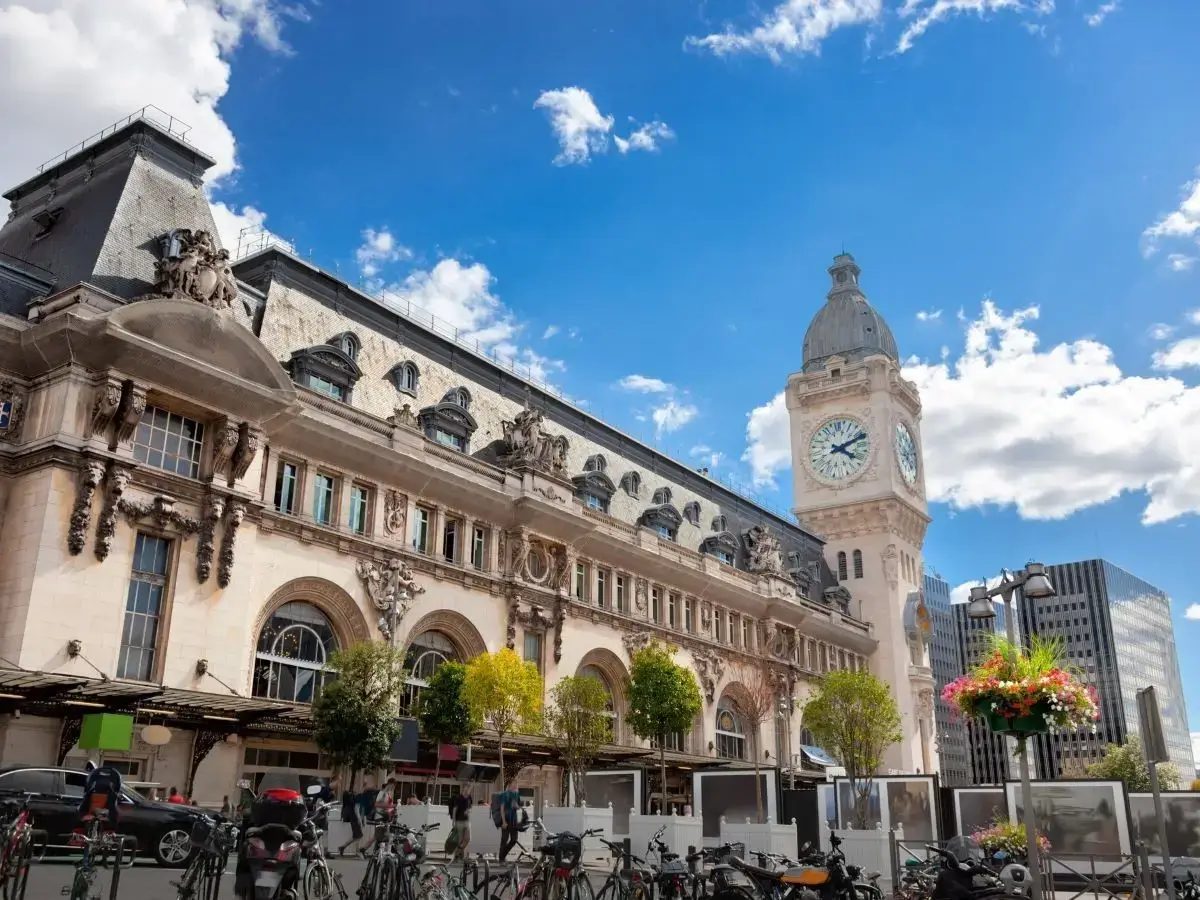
x=854 y=716
x=504 y=693
x=1127 y=763
x=356 y=715
x=577 y=725
x=663 y=699
x=442 y=709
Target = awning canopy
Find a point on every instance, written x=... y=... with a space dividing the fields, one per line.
x=817 y=756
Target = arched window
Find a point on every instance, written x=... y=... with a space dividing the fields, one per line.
x=841 y=565
x=426 y=652
x=459 y=396
x=806 y=738
x=595 y=463
x=858 y=570
x=293 y=650
x=691 y=512
x=631 y=483
x=718 y=523
x=731 y=739
x=610 y=708
x=348 y=343
x=405 y=377
x=662 y=496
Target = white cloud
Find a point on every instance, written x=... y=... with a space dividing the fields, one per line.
x=580 y=128
x=936 y=11
x=460 y=298
x=1102 y=13
x=1180 y=262
x=1193 y=316
x=98 y=62
x=794 y=27
x=928 y=315
x=1047 y=431
x=1193 y=613
x=707 y=455
x=551 y=331
x=244 y=232
x=1161 y=331
x=962 y=593
x=672 y=415
x=377 y=250
x=1183 y=354
x=1183 y=222
x=647 y=137
x=643 y=385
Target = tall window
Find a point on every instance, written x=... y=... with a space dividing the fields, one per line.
x=450 y=540
x=360 y=508
x=735 y=629
x=731 y=740
x=580 y=590
x=841 y=558
x=620 y=598
x=293 y=650
x=421 y=530
x=601 y=588
x=534 y=641
x=719 y=624
x=478 y=546
x=747 y=632
x=426 y=652
x=323 y=493
x=673 y=610
x=676 y=741
x=858 y=569
x=610 y=709
x=168 y=441
x=144 y=607
x=326 y=387
x=656 y=610
x=287 y=487
x=689 y=622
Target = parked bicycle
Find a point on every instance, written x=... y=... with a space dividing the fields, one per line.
x=98 y=845
x=392 y=869
x=17 y=847
x=507 y=883
x=631 y=877
x=565 y=878
x=214 y=839
x=320 y=881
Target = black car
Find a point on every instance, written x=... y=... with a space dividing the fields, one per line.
x=162 y=830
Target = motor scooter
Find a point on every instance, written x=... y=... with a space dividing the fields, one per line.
x=269 y=858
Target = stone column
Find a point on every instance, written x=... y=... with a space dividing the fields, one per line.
x=436 y=526
x=467 y=544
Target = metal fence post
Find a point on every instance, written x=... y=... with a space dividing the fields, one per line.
x=894 y=847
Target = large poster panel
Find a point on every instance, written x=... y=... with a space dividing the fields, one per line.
x=1181 y=809
x=1079 y=818
x=731 y=794
x=905 y=800
x=977 y=808
x=620 y=787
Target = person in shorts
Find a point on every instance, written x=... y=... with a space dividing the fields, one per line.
x=351 y=817
x=460 y=822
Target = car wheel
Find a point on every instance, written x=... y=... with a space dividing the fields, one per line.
x=173 y=848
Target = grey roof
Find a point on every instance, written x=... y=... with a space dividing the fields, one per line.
x=847 y=325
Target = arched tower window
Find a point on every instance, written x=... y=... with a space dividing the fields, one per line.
x=610 y=708
x=841 y=573
x=293 y=651
x=425 y=654
x=858 y=569
x=731 y=738
x=348 y=343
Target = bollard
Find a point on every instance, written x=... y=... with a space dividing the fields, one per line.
x=626 y=857
x=693 y=864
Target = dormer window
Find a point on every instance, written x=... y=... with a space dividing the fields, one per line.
x=459 y=396
x=722 y=545
x=325 y=369
x=719 y=523
x=666 y=531
x=664 y=519
x=405 y=377
x=595 y=463
x=448 y=423
x=691 y=512
x=593 y=488
x=631 y=483
x=661 y=496
x=348 y=343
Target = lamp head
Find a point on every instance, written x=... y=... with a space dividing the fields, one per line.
x=1037 y=584
x=980 y=606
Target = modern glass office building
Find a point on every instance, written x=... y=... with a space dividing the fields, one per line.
x=946 y=662
x=1116 y=629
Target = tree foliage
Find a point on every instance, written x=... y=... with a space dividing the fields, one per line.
x=504 y=693
x=442 y=709
x=576 y=724
x=663 y=698
x=755 y=704
x=356 y=715
x=854 y=716
x=1128 y=763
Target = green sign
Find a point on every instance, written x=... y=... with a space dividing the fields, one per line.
x=106 y=731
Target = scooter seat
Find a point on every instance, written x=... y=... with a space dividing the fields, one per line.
x=753 y=870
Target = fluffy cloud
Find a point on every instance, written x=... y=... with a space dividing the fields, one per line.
x=643 y=385
x=928 y=315
x=799 y=27
x=1183 y=354
x=671 y=413
x=583 y=130
x=551 y=331
x=1094 y=19
x=647 y=137
x=1047 y=431
x=1193 y=613
x=377 y=250
x=1182 y=222
x=1180 y=262
x=98 y=62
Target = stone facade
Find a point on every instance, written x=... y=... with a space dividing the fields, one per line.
x=266 y=447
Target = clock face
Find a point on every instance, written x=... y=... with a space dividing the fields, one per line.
x=838 y=449
x=906 y=453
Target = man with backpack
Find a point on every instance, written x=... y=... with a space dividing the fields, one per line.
x=506 y=814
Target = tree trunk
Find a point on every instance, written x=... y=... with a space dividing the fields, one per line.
x=662 y=766
x=437 y=771
x=577 y=778
x=758 y=790
x=500 y=738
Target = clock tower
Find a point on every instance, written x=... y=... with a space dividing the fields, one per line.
x=859 y=483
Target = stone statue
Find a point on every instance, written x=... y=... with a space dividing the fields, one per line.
x=527 y=445
x=766 y=556
x=891 y=564
x=193 y=268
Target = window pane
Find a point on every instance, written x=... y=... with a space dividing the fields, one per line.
x=169 y=441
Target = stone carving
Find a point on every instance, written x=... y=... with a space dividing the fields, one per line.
x=766 y=556
x=403 y=417
x=924 y=704
x=520 y=557
x=250 y=440
x=235 y=512
x=133 y=404
x=161 y=511
x=214 y=508
x=104 y=407
x=770 y=635
x=514 y=604
x=389 y=583
x=710 y=669
x=527 y=445
x=91 y=473
x=550 y=494
x=706 y=617
x=534 y=618
x=566 y=569
x=560 y=618
x=12 y=410
x=192 y=268
x=637 y=641
x=891 y=564
x=640 y=589
x=395 y=512
x=227 y=434
x=115 y=481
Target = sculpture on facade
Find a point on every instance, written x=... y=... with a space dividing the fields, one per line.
x=193 y=268
x=710 y=669
x=104 y=407
x=395 y=511
x=636 y=641
x=891 y=564
x=115 y=481
x=250 y=438
x=390 y=583
x=235 y=511
x=766 y=555
x=214 y=508
x=91 y=473
x=527 y=445
x=12 y=410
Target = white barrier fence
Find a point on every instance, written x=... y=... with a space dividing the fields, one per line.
x=577 y=820
x=872 y=850
x=767 y=837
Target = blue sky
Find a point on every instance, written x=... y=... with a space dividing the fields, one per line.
x=585 y=190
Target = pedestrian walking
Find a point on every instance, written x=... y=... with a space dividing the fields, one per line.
x=351 y=816
x=460 y=824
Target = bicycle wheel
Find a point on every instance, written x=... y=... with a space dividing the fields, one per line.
x=118 y=856
x=612 y=890
x=388 y=885
x=317 y=884
x=79 y=886
x=18 y=870
x=581 y=887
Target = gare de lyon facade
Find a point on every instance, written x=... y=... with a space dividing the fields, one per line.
x=214 y=473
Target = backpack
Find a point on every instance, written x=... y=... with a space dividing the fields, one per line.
x=497 y=809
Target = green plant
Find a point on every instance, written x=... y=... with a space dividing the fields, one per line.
x=577 y=724
x=504 y=693
x=854 y=716
x=1127 y=763
x=442 y=710
x=1008 y=837
x=356 y=715
x=663 y=699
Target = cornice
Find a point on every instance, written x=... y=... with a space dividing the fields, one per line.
x=889 y=515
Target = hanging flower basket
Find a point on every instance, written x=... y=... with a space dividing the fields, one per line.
x=1022 y=692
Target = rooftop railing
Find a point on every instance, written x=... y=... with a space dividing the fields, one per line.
x=164 y=120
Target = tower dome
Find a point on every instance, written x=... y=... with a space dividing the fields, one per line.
x=847 y=325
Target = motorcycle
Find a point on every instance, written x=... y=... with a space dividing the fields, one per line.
x=269 y=858
x=673 y=874
x=963 y=875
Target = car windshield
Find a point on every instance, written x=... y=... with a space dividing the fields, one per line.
x=133 y=795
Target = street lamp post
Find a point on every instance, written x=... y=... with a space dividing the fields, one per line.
x=1035 y=585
